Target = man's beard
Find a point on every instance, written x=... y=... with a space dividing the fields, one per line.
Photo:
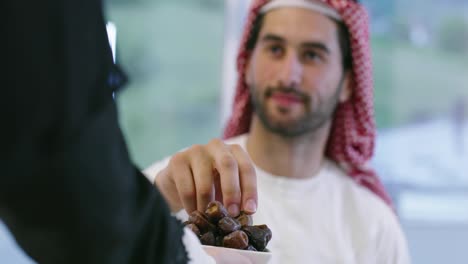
x=314 y=117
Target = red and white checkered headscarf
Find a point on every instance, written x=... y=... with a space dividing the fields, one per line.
x=351 y=142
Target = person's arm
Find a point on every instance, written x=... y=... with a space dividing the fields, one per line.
x=68 y=191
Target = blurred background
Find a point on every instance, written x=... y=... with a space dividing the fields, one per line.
x=180 y=57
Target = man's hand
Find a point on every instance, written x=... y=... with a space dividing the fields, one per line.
x=203 y=173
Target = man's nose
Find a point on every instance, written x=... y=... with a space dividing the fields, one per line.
x=290 y=74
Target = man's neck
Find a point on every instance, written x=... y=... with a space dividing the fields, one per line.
x=297 y=157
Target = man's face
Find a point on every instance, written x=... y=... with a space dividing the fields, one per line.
x=295 y=73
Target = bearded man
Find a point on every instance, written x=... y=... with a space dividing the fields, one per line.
x=299 y=140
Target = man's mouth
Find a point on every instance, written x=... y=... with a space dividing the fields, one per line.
x=286 y=99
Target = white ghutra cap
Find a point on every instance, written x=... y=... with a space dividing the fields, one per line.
x=307 y=4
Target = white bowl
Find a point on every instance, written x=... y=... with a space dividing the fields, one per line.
x=257 y=257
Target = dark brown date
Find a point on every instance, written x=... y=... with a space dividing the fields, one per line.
x=219 y=241
x=208 y=239
x=201 y=221
x=258 y=237
x=194 y=229
x=216 y=211
x=228 y=225
x=267 y=230
x=215 y=228
x=245 y=219
x=237 y=239
x=251 y=248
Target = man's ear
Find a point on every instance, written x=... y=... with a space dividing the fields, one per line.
x=346 y=91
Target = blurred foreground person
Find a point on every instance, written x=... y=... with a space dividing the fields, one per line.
x=68 y=190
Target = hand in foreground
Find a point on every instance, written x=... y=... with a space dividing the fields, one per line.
x=203 y=173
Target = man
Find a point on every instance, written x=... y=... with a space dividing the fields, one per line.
x=68 y=191
x=303 y=115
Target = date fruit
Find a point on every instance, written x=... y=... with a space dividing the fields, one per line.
x=215 y=228
x=237 y=239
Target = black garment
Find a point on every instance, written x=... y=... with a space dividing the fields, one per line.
x=68 y=191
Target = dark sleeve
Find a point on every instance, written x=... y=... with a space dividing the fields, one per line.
x=68 y=190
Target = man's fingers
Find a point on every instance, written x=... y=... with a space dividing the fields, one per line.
x=203 y=173
x=217 y=186
x=168 y=189
x=226 y=164
x=248 y=179
x=183 y=178
x=202 y=170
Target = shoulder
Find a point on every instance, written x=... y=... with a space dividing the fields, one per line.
x=372 y=219
x=359 y=199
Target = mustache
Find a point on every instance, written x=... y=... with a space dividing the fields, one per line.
x=286 y=90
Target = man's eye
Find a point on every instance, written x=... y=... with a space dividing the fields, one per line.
x=276 y=50
x=311 y=56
